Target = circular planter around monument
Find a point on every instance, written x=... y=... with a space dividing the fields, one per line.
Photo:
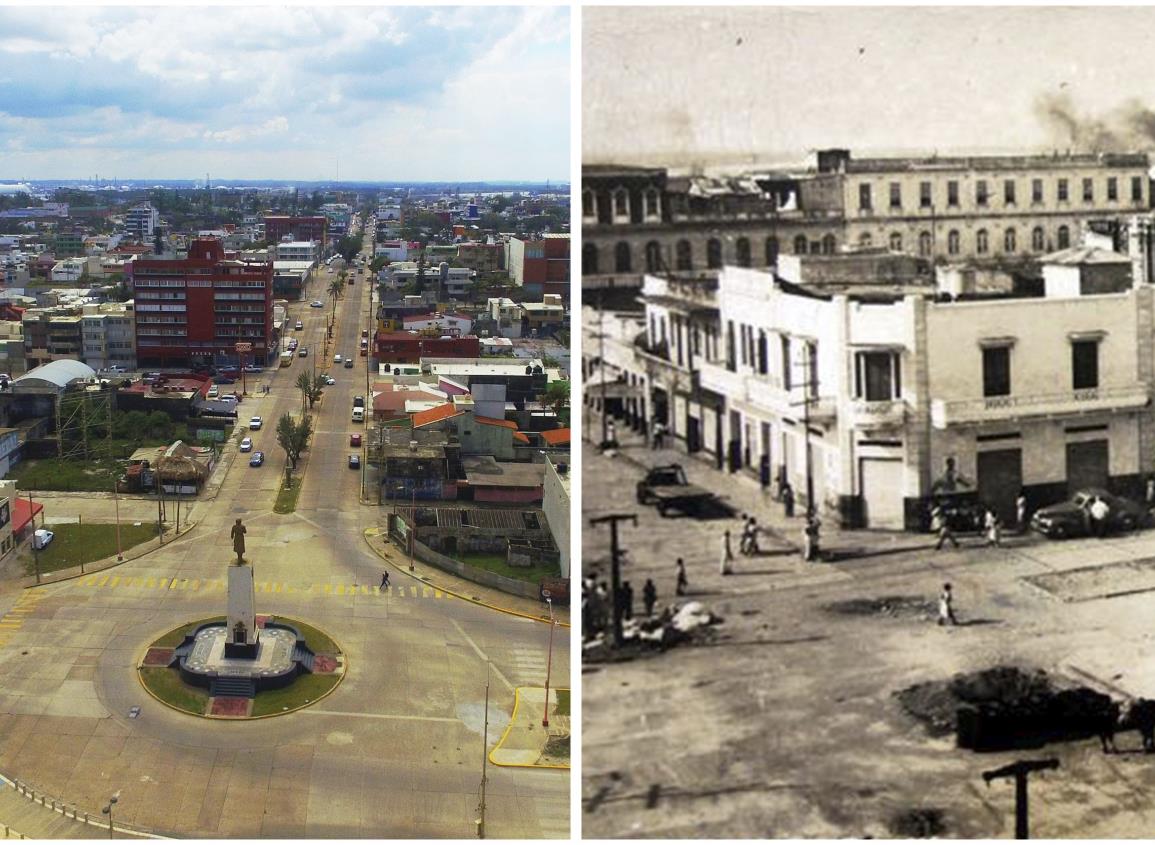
x=186 y=669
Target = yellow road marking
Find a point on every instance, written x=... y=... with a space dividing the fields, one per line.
x=412 y=590
x=328 y=589
x=151 y=583
x=196 y=584
x=437 y=594
x=103 y=581
x=115 y=580
x=278 y=587
x=90 y=581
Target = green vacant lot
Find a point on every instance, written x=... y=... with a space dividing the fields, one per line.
x=62 y=474
x=77 y=544
x=497 y=565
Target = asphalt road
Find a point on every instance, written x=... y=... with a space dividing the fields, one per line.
x=396 y=751
x=786 y=725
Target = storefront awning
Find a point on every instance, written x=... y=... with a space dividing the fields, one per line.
x=23 y=512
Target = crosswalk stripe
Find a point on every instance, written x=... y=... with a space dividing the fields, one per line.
x=196 y=584
x=115 y=580
x=103 y=581
x=412 y=590
x=151 y=583
x=400 y=591
x=328 y=589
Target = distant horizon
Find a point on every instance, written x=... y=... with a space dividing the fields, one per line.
x=226 y=183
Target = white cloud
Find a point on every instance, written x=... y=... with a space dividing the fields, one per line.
x=272 y=126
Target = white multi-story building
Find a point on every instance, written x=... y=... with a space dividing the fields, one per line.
x=68 y=270
x=108 y=334
x=309 y=251
x=141 y=221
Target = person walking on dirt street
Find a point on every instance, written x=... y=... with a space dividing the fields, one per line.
x=750 y=537
x=727 y=560
x=993 y=528
x=1150 y=492
x=787 y=499
x=1099 y=512
x=1021 y=512
x=683 y=583
x=627 y=593
x=659 y=435
x=384 y=580
x=649 y=596
x=946 y=607
x=810 y=539
x=939 y=524
x=612 y=430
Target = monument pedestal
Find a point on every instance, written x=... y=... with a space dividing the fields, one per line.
x=242 y=630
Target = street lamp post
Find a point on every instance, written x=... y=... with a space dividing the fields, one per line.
x=549 y=660
x=107 y=810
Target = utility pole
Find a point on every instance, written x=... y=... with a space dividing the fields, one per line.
x=1019 y=770
x=484 y=760
x=549 y=660
x=35 y=551
x=602 y=364
x=809 y=396
x=116 y=501
x=615 y=566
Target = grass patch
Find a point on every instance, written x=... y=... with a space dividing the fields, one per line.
x=174 y=638
x=74 y=544
x=497 y=565
x=166 y=684
x=287 y=497
x=557 y=748
x=562 y=706
x=314 y=639
x=304 y=688
x=77 y=474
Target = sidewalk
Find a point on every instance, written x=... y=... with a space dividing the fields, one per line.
x=25 y=817
x=461 y=587
x=525 y=738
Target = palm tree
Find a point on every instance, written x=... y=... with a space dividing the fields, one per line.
x=336 y=291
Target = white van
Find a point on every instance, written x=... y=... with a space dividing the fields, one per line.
x=358 y=415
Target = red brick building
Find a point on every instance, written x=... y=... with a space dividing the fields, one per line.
x=195 y=310
x=541 y=266
x=297 y=228
x=409 y=348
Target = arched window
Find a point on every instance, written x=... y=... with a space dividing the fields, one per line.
x=1064 y=238
x=924 y=243
x=713 y=253
x=742 y=248
x=653 y=257
x=1038 y=239
x=771 y=251
x=828 y=244
x=653 y=208
x=800 y=245
x=896 y=242
x=622 y=260
x=621 y=203
x=865 y=239
x=981 y=244
x=589 y=260
x=684 y=256
x=952 y=242
x=588 y=203
x=1010 y=241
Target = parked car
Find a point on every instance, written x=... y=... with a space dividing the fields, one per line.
x=354 y=462
x=1072 y=517
x=304 y=353
x=247 y=444
x=299 y=325
x=252 y=368
x=212 y=393
x=354 y=439
x=41 y=537
x=230 y=370
x=330 y=380
x=358 y=401
x=230 y=398
x=223 y=379
x=255 y=423
x=316 y=303
x=337 y=359
x=257 y=459
x=348 y=363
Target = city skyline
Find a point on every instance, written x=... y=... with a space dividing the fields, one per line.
x=355 y=93
x=774 y=84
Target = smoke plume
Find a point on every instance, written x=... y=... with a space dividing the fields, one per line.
x=1128 y=127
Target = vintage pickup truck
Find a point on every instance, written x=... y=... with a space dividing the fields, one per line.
x=667 y=487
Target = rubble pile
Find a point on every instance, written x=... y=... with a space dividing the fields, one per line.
x=673 y=625
x=1005 y=708
x=906 y=606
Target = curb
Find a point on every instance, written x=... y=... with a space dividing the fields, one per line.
x=543 y=619
x=62 y=809
x=508 y=728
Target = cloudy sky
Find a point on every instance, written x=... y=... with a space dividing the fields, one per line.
x=284 y=92
x=686 y=85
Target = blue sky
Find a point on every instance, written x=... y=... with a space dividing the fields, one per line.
x=284 y=92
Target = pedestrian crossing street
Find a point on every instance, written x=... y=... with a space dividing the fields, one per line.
x=123 y=583
x=13 y=620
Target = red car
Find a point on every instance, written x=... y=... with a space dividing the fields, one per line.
x=354 y=439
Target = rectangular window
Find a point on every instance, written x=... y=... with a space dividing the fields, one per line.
x=1084 y=364
x=1063 y=190
x=1136 y=189
x=651 y=204
x=952 y=193
x=1036 y=190
x=1112 y=188
x=1009 y=192
x=1088 y=190
x=731 y=352
x=997 y=371
x=864 y=198
x=924 y=195
x=895 y=195
x=787 y=381
x=877 y=376
x=981 y=192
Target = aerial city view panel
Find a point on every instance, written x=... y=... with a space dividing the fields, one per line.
x=284 y=422
x=868 y=356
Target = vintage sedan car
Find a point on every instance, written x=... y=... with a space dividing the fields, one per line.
x=1072 y=518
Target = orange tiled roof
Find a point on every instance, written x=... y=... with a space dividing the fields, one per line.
x=494 y=421
x=556 y=436
x=520 y=438
x=441 y=412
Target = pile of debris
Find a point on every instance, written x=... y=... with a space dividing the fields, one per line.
x=673 y=625
x=905 y=606
x=1006 y=708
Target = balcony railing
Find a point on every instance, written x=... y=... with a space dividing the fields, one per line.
x=766 y=391
x=877 y=413
x=1068 y=402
